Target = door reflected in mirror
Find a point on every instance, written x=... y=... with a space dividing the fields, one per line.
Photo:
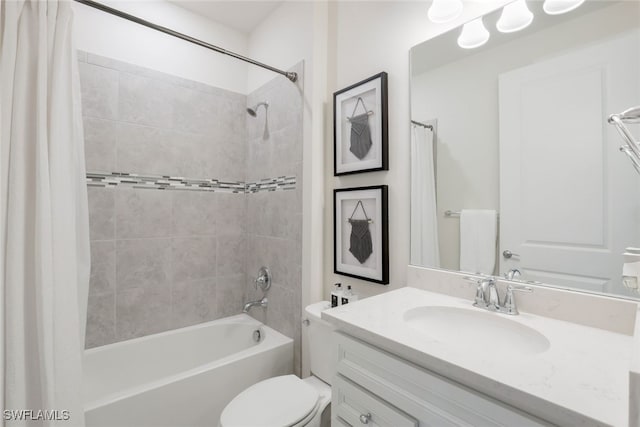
x=518 y=159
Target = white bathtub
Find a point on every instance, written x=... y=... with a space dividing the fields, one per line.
x=183 y=377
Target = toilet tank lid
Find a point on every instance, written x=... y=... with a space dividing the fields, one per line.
x=317 y=308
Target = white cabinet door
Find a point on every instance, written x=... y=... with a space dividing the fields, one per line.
x=404 y=389
x=567 y=195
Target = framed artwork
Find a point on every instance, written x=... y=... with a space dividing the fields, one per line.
x=361 y=239
x=360 y=130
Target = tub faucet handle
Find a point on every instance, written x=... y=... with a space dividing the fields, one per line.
x=263 y=280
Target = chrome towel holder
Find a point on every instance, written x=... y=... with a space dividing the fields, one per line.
x=631 y=147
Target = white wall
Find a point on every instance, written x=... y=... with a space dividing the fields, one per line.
x=367 y=38
x=103 y=34
x=283 y=39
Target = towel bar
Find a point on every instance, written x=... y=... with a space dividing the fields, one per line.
x=455 y=214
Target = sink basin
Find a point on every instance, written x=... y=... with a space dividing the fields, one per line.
x=476 y=329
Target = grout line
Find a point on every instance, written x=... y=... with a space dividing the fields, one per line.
x=115 y=284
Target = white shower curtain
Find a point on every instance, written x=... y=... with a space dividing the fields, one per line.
x=43 y=213
x=424 y=221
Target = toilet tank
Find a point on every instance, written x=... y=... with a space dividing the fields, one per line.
x=322 y=357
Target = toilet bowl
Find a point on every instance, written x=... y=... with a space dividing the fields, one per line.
x=288 y=401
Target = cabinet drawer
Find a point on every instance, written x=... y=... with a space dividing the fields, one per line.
x=428 y=397
x=358 y=407
x=339 y=422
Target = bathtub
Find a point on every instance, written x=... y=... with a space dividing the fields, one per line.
x=183 y=377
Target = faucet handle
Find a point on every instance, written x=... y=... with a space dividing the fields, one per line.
x=263 y=280
x=478 y=280
x=520 y=288
x=479 y=299
x=509 y=306
x=512 y=274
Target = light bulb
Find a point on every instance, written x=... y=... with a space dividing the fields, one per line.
x=557 y=7
x=442 y=11
x=515 y=17
x=473 y=34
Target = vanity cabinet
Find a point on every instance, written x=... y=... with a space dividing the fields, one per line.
x=376 y=388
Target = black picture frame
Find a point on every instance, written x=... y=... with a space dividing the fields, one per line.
x=375 y=207
x=374 y=93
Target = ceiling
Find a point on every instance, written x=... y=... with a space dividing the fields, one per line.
x=242 y=15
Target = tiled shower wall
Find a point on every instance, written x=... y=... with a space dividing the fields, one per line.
x=161 y=259
x=274 y=219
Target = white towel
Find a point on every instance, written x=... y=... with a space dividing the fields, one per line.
x=478 y=236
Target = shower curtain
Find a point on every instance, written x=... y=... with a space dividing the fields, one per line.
x=44 y=235
x=424 y=222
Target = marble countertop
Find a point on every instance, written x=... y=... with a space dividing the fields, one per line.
x=582 y=379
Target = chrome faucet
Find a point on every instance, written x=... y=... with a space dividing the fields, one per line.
x=262 y=303
x=263 y=281
x=512 y=274
x=486 y=293
x=488 y=298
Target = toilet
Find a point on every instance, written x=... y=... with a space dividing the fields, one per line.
x=288 y=401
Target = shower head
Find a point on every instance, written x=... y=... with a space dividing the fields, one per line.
x=253 y=111
x=632 y=115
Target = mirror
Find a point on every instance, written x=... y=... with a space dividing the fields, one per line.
x=513 y=136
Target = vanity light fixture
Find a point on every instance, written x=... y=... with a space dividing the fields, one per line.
x=442 y=11
x=558 y=7
x=474 y=34
x=515 y=16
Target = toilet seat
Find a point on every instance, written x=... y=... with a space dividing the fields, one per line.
x=283 y=401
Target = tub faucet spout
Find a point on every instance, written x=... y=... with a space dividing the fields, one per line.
x=262 y=303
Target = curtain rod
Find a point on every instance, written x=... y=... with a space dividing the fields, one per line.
x=288 y=74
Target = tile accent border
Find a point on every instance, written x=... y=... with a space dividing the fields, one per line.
x=165 y=182
x=271 y=184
